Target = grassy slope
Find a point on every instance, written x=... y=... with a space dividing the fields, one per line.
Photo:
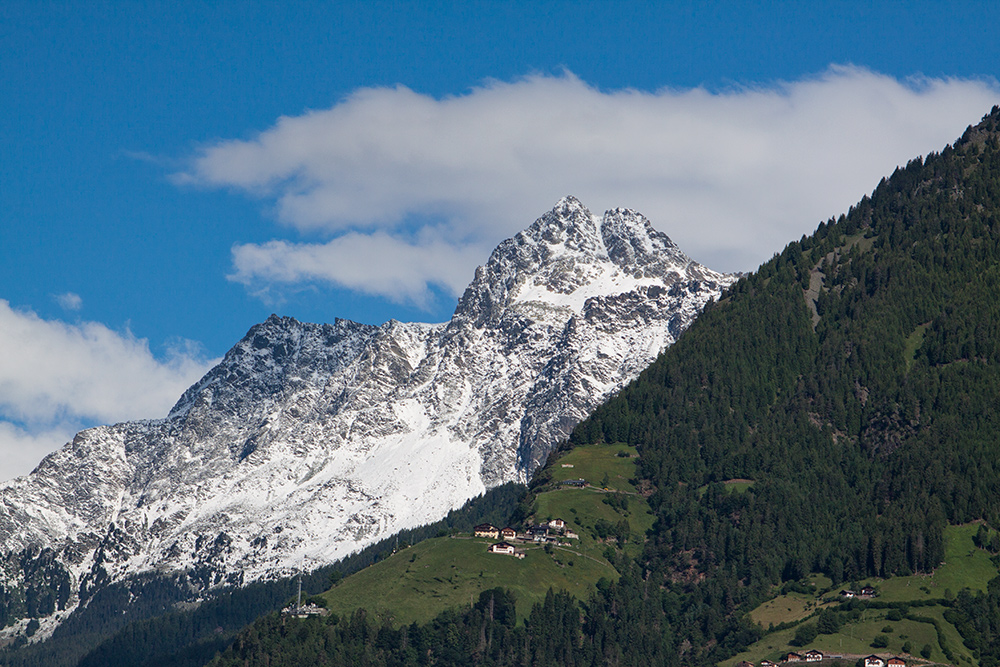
x=593 y=462
x=583 y=508
x=966 y=566
x=419 y=582
x=786 y=609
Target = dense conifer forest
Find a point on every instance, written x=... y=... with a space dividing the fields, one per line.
x=867 y=427
x=853 y=382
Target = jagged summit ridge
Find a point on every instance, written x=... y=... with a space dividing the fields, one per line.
x=636 y=247
x=569 y=255
x=569 y=225
x=309 y=441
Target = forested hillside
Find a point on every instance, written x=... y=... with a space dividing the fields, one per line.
x=852 y=385
x=865 y=408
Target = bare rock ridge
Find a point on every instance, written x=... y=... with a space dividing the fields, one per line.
x=309 y=441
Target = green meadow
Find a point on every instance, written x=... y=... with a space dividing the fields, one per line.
x=785 y=609
x=419 y=582
x=593 y=462
x=965 y=567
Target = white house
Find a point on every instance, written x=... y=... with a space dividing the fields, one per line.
x=502 y=548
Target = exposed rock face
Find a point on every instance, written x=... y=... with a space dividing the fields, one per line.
x=309 y=441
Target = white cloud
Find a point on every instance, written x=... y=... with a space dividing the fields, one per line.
x=69 y=301
x=732 y=176
x=370 y=263
x=58 y=377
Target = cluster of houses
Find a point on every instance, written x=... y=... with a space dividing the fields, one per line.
x=550 y=532
x=875 y=661
x=818 y=656
x=866 y=592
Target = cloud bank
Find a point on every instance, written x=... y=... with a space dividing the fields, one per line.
x=732 y=175
x=62 y=377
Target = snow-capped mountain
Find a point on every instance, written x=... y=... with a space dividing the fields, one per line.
x=309 y=441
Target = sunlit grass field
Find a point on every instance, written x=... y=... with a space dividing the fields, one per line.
x=965 y=566
x=419 y=582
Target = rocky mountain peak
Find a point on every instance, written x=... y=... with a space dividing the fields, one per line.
x=632 y=242
x=310 y=441
x=550 y=255
x=568 y=228
x=644 y=252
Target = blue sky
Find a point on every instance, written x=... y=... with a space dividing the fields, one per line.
x=172 y=173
